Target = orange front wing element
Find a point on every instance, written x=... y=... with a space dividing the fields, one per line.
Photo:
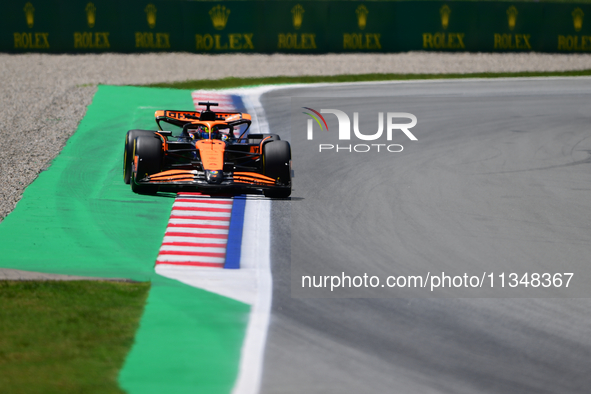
x=212 y=154
x=253 y=177
x=173 y=176
x=172 y=173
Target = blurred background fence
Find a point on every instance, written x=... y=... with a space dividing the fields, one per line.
x=71 y=26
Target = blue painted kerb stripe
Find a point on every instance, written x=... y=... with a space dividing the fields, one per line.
x=234 y=244
x=235 y=233
x=238 y=103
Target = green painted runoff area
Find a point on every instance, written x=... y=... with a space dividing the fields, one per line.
x=79 y=218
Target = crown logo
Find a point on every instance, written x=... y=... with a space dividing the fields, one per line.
x=362 y=16
x=90 y=14
x=444 y=11
x=512 y=16
x=151 y=15
x=298 y=16
x=578 y=19
x=219 y=16
x=30 y=14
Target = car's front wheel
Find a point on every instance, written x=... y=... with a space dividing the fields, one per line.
x=147 y=160
x=128 y=151
x=276 y=164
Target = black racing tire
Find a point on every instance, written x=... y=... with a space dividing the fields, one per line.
x=149 y=152
x=128 y=151
x=276 y=164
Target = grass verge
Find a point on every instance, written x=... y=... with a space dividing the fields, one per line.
x=66 y=337
x=243 y=82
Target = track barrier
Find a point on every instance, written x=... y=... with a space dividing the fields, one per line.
x=68 y=26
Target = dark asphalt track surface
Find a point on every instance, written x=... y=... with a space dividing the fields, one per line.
x=501 y=175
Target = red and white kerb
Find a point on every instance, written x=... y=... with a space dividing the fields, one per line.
x=224 y=100
x=197 y=232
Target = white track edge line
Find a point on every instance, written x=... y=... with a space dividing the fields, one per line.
x=253 y=348
x=256 y=211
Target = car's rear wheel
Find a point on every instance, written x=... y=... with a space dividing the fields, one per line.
x=276 y=164
x=148 y=150
x=128 y=151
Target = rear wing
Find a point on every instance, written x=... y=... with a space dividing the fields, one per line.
x=181 y=118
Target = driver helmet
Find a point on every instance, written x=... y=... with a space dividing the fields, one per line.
x=215 y=133
x=203 y=132
x=199 y=133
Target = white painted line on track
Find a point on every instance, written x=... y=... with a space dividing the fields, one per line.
x=181 y=229
x=239 y=284
x=214 y=221
x=207 y=207
x=192 y=239
x=172 y=258
x=175 y=248
x=205 y=223
x=256 y=254
x=190 y=212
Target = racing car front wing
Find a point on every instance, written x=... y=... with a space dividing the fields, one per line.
x=214 y=180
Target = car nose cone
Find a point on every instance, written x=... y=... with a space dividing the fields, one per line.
x=213 y=177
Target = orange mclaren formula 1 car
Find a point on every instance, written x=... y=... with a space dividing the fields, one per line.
x=207 y=155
